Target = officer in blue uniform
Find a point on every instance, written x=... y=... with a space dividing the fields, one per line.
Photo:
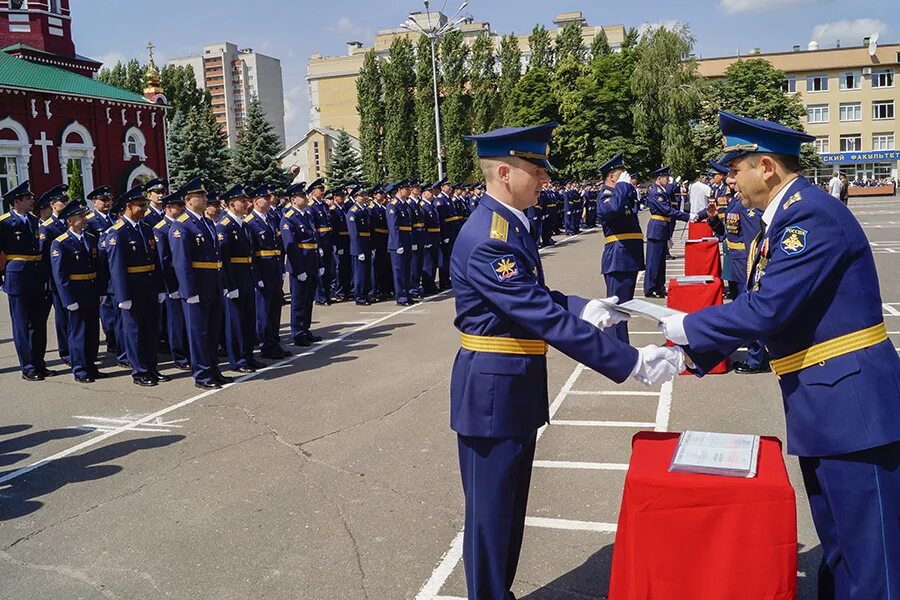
x=240 y=281
x=155 y=189
x=450 y=222
x=137 y=285
x=589 y=196
x=98 y=222
x=623 y=250
x=25 y=281
x=299 y=238
x=507 y=317
x=431 y=242
x=316 y=194
x=658 y=233
x=74 y=258
x=267 y=264
x=197 y=261
x=359 y=230
x=399 y=224
x=382 y=281
x=176 y=329
x=417 y=239
x=52 y=227
x=341 y=267
x=813 y=298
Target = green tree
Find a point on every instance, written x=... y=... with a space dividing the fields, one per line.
x=197 y=147
x=399 y=126
x=541 y=48
x=631 y=39
x=454 y=53
x=532 y=101
x=570 y=43
x=425 y=128
x=667 y=93
x=608 y=98
x=510 y=73
x=118 y=76
x=572 y=145
x=76 y=181
x=370 y=106
x=255 y=157
x=600 y=45
x=180 y=88
x=134 y=76
x=483 y=85
x=344 y=165
x=181 y=164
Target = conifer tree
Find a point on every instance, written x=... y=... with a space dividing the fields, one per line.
x=570 y=43
x=510 y=73
x=541 y=48
x=76 y=181
x=134 y=77
x=455 y=112
x=344 y=166
x=255 y=157
x=370 y=106
x=399 y=81
x=600 y=45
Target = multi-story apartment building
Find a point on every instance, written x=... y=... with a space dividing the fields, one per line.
x=851 y=98
x=233 y=76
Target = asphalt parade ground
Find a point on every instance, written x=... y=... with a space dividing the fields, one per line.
x=333 y=474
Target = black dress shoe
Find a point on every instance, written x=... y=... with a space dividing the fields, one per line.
x=326 y=303
x=407 y=303
x=363 y=303
x=144 y=381
x=85 y=379
x=124 y=364
x=247 y=369
x=182 y=367
x=744 y=369
x=211 y=385
x=302 y=341
x=313 y=338
x=33 y=376
x=160 y=377
x=99 y=375
x=256 y=364
x=49 y=373
x=223 y=379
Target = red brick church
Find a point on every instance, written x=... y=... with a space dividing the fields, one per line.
x=55 y=117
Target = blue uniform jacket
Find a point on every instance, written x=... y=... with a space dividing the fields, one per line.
x=48 y=231
x=152 y=218
x=196 y=258
x=161 y=235
x=133 y=263
x=75 y=271
x=378 y=223
x=499 y=286
x=618 y=212
x=237 y=255
x=739 y=228
x=813 y=280
x=360 y=230
x=298 y=236
x=432 y=221
x=267 y=250
x=417 y=221
x=26 y=272
x=447 y=217
x=337 y=215
x=322 y=223
x=662 y=214
x=399 y=226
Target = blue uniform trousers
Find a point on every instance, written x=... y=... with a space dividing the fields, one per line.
x=382 y=279
x=855 y=502
x=109 y=320
x=139 y=336
x=655 y=275
x=177 y=332
x=342 y=275
x=84 y=340
x=268 y=317
x=400 y=267
x=431 y=256
x=416 y=258
x=203 y=322
x=240 y=328
x=362 y=278
x=323 y=281
x=162 y=323
x=302 y=294
x=121 y=353
x=61 y=320
x=496 y=475
x=28 y=314
x=621 y=284
x=444 y=282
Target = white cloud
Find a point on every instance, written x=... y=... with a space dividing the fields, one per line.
x=737 y=6
x=295 y=117
x=110 y=59
x=670 y=24
x=849 y=32
x=346 y=26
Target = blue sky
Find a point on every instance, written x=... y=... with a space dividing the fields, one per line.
x=111 y=30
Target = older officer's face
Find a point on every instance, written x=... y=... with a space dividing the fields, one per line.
x=754 y=175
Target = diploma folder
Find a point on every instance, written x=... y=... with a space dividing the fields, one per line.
x=729 y=454
x=642 y=308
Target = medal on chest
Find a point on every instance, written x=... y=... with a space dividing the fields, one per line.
x=762 y=264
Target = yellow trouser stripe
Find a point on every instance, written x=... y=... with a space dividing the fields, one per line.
x=661 y=218
x=206 y=265
x=323 y=229
x=735 y=245
x=404 y=228
x=309 y=246
x=364 y=234
x=25 y=257
x=433 y=230
x=380 y=230
x=241 y=260
x=141 y=269
x=623 y=237
x=502 y=345
x=267 y=253
x=83 y=277
x=839 y=346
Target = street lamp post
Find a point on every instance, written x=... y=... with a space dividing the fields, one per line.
x=435 y=33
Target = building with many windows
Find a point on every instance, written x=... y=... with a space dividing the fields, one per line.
x=232 y=76
x=851 y=97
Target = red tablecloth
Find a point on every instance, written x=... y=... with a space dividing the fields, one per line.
x=702 y=258
x=700 y=229
x=694 y=296
x=704 y=537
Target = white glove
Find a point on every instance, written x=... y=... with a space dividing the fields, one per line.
x=400 y=250
x=321 y=271
x=233 y=294
x=670 y=244
x=600 y=316
x=446 y=240
x=340 y=252
x=694 y=218
x=102 y=299
x=361 y=257
x=161 y=297
x=415 y=247
x=72 y=307
x=193 y=300
x=673 y=328
x=175 y=295
x=260 y=284
x=624 y=176
x=301 y=277
x=321 y=252
x=125 y=305
x=373 y=254
x=658 y=364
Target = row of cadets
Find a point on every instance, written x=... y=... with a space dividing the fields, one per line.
x=572 y=208
x=300 y=241
x=341 y=267
x=623 y=250
x=659 y=232
x=589 y=200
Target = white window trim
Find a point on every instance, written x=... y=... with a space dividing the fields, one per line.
x=886 y=136
x=809 y=79
x=825 y=141
x=20 y=148
x=843 y=77
x=825 y=108
x=875 y=74
x=877 y=103
x=83 y=152
x=140 y=171
x=857 y=105
x=849 y=136
x=140 y=142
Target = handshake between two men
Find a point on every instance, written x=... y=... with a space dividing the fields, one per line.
x=655 y=364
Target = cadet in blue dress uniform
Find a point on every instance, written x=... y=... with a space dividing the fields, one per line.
x=99 y=221
x=137 y=285
x=399 y=224
x=507 y=317
x=359 y=229
x=240 y=281
x=155 y=189
x=623 y=250
x=450 y=223
x=659 y=232
x=197 y=261
x=433 y=237
x=417 y=239
x=25 y=281
x=382 y=281
x=52 y=227
x=813 y=298
x=176 y=329
x=342 y=271
x=316 y=192
x=299 y=238
x=74 y=258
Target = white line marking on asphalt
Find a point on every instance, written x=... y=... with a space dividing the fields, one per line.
x=664 y=407
x=575 y=423
x=595 y=466
x=609 y=393
x=890 y=310
x=570 y=524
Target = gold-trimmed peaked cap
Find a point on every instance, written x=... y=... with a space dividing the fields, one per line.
x=530 y=143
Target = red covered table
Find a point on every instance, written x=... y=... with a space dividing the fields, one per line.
x=683 y=536
x=691 y=297
x=701 y=258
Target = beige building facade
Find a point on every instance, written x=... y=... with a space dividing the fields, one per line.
x=851 y=97
x=308 y=158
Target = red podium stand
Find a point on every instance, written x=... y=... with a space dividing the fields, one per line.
x=700 y=229
x=701 y=258
x=684 y=536
x=691 y=297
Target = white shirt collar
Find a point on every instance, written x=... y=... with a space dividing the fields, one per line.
x=78 y=236
x=259 y=214
x=201 y=217
x=13 y=211
x=133 y=224
x=236 y=219
x=769 y=213
x=521 y=215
